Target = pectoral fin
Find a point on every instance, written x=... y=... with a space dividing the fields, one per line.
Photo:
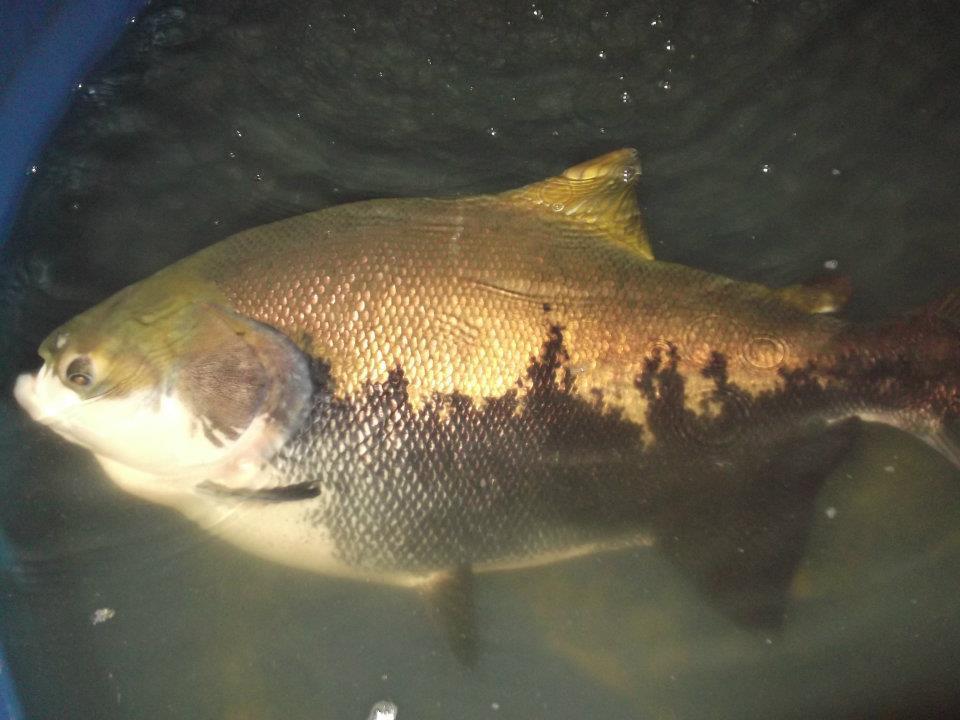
x=450 y=595
x=286 y=493
x=742 y=545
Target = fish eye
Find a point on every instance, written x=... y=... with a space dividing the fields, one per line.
x=80 y=371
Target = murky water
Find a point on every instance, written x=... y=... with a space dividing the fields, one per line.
x=775 y=138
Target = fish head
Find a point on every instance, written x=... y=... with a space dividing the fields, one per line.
x=173 y=385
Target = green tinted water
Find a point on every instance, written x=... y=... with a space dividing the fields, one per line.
x=775 y=138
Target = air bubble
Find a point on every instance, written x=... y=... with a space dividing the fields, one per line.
x=835 y=171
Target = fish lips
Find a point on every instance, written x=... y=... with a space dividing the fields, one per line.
x=25 y=393
x=45 y=399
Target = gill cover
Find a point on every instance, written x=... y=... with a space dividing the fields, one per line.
x=246 y=385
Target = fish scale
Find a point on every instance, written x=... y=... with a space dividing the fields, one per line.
x=426 y=492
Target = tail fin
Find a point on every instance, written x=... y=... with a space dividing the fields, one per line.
x=938 y=323
x=945 y=440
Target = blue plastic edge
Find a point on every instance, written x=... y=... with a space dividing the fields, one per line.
x=10 y=708
x=70 y=37
x=46 y=49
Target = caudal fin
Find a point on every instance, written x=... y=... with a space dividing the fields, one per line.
x=937 y=341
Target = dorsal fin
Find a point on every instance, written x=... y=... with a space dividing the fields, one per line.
x=823 y=294
x=598 y=193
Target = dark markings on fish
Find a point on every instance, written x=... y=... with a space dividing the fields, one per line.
x=285 y=493
x=456 y=481
x=536 y=471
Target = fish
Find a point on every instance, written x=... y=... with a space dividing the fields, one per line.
x=414 y=391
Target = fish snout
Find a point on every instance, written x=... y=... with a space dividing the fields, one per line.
x=25 y=393
x=43 y=396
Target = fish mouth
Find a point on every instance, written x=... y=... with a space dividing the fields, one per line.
x=29 y=392
x=25 y=393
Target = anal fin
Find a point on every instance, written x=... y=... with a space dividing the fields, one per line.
x=742 y=545
x=945 y=441
x=451 y=598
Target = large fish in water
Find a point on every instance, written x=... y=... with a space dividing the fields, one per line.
x=411 y=391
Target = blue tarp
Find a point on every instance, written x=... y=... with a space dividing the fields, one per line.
x=46 y=48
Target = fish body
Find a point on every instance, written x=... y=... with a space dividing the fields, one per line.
x=398 y=389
